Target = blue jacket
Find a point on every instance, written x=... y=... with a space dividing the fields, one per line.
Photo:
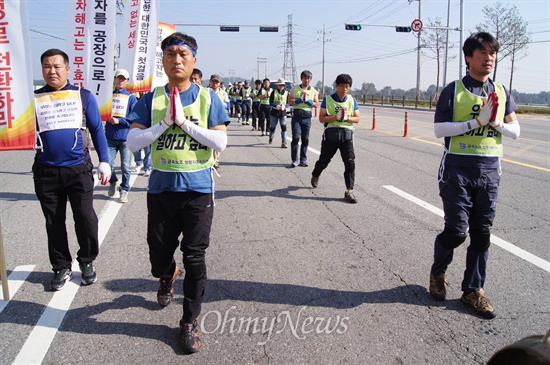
x=58 y=146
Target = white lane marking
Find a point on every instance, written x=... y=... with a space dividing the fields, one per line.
x=42 y=335
x=15 y=280
x=527 y=256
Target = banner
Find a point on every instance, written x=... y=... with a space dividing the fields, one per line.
x=17 y=128
x=137 y=51
x=91 y=39
x=164 y=30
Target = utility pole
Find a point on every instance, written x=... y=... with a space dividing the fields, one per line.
x=446 y=44
x=264 y=61
x=418 y=56
x=323 y=64
x=460 y=57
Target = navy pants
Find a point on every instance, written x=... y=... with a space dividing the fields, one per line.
x=469 y=201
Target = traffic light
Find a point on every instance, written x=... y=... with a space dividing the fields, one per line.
x=225 y=28
x=269 y=29
x=403 y=29
x=353 y=26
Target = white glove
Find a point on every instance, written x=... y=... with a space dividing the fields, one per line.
x=342 y=114
x=174 y=111
x=489 y=111
x=304 y=97
x=104 y=172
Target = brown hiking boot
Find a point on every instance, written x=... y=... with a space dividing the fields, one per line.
x=165 y=291
x=190 y=338
x=480 y=303
x=438 y=286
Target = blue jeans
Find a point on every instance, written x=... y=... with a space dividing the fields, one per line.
x=145 y=161
x=273 y=120
x=301 y=124
x=125 y=159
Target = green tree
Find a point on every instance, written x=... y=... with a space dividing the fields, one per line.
x=508 y=27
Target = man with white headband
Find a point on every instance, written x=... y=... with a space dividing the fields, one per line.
x=184 y=123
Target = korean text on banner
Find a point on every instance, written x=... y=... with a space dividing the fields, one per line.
x=137 y=53
x=164 y=30
x=17 y=128
x=91 y=39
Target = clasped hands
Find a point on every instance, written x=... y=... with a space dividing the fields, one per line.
x=488 y=113
x=174 y=110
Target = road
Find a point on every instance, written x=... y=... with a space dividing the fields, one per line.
x=296 y=275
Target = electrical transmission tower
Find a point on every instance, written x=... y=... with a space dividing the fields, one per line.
x=289 y=65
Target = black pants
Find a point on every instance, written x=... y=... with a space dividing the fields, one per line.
x=255 y=114
x=328 y=150
x=171 y=214
x=263 y=117
x=53 y=186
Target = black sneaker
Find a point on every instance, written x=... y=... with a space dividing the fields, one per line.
x=303 y=164
x=190 y=338
x=165 y=292
x=315 y=181
x=88 y=273
x=60 y=277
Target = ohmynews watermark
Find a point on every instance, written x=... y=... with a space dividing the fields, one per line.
x=298 y=324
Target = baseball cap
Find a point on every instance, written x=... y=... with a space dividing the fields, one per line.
x=122 y=72
x=215 y=77
x=246 y=82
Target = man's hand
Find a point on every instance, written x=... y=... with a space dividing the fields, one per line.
x=493 y=122
x=104 y=172
x=174 y=111
x=304 y=97
x=489 y=111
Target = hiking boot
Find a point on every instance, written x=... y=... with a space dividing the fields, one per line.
x=60 y=277
x=315 y=181
x=190 y=338
x=270 y=140
x=112 y=188
x=123 y=196
x=89 y=275
x=349 y=197
x=284 y=145
x=165 y=292
x=480 y=303
x=438 y=286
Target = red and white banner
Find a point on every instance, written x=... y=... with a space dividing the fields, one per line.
x=164 y=30
x=137 y=51
x=91 y=39
x=17 y=128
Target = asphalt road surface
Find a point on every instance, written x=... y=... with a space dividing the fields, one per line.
x=296 y=275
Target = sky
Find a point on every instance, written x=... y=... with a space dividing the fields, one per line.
x=376 y=54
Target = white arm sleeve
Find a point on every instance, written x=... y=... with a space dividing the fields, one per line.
x=510 y=129
x=140 y=138
x=215 y=139
x=449 y=129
